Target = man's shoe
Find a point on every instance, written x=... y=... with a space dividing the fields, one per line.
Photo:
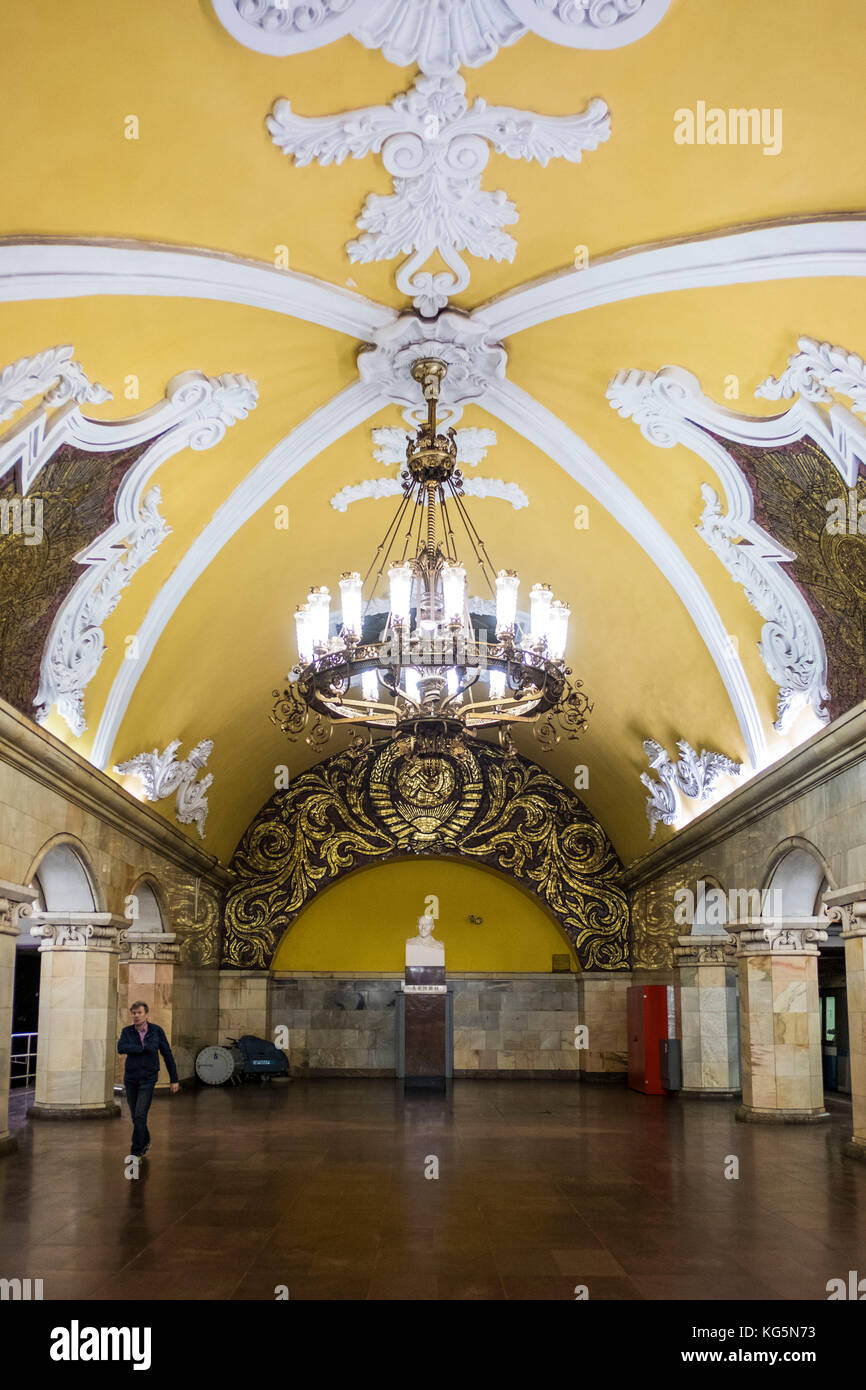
x=144 y=1150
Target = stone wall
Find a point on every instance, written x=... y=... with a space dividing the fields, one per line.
x=814 y=798
x=518 y=1025
x=50 y=795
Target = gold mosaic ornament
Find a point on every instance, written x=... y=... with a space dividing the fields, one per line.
x=392 y=800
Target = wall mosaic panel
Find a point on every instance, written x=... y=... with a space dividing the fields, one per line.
x=387 y=801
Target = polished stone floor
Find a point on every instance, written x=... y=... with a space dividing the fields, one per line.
x=320 y=1186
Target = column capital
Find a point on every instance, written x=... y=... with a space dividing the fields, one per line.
x=848 y=907
x=77 y=931
x=14 y=898
x=149 y=945
x=705 y=949
x=779 y=936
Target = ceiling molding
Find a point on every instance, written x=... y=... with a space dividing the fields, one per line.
x=59 y=268
x=669 y=408
x=347 y=410
x=517 y=409
x=195 y=412
x=834 y=246
x=459 y=33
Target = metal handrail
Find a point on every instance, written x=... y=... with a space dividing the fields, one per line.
x=28 y=1057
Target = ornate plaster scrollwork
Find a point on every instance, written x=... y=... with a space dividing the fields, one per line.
x=841 y=917
x=75 y=934
x=438 y=37
x=472 y=446
x=669 y=409
x=76 y=646
x=787 y=645
x=392 y=487
x=436 y=146
x=693 y=775
x=162 y=775
x=782 y=937
x=705 y=950
x=196 y=411
x=815 y=371
x=475 y=361
x=53 y=375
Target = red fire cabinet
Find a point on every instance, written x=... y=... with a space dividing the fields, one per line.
x=651 y=1018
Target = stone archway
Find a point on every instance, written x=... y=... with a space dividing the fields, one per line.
x=795 y=879
x=64 y=878
x=384 y=801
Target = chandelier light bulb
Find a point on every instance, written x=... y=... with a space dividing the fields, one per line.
x=400 y=589
x=540 y=599
x=319 y=604
x=350 y=598
x=496 y=684
x=412 y=683
x=370 y=686
x=453 y=592
x=304 y=632
x=507 y=585
x=558 y=631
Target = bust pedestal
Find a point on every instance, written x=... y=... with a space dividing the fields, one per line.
x=425 y=1009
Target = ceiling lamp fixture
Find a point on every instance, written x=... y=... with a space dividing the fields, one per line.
x=426 y=673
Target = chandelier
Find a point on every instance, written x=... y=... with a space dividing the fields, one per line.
x=421 y=670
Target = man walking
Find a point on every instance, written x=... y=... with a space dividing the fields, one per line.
x=142 y=1042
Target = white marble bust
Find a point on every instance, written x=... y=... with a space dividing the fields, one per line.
x=423 y=949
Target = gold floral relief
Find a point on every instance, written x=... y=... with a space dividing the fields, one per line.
x=73 y=501
x=801 y=500
x=194 y=907
x=653 y=929
x=381 y=802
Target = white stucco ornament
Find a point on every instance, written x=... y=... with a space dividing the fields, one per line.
x=693 y=775
x=475 y=359
x=669 y=408
x=438 y=35
x=435 y=146
x=163 y=774
x=195 y=412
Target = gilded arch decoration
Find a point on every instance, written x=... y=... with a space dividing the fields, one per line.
x=384 y=801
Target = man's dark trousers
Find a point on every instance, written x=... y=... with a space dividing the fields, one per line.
x=139 y=1094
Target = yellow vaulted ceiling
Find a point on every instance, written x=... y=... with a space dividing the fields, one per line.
x=204 y=173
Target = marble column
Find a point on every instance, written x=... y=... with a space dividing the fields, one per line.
x=13 y=896
x=780 y=1021
x=77 y=1015
x=146 y=972
x=848 y=906
x=708 y=1010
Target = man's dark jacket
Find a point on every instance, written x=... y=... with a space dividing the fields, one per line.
x=142 y=1056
